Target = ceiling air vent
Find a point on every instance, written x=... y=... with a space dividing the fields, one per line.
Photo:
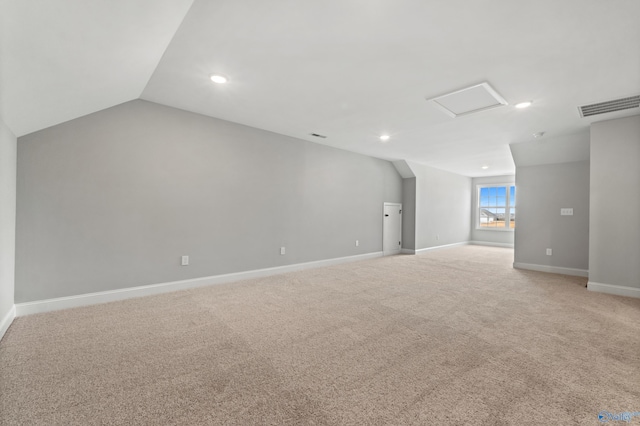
x=610 y=106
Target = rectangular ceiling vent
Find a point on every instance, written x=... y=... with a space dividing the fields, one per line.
x=610 y=106
x=469 y=100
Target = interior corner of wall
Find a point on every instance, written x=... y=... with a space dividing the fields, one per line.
x=404 y=169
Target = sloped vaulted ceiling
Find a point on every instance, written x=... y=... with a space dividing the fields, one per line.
x=62 y=59
x=351 y=70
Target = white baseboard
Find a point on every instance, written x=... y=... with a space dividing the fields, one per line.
x=552 y=269
x=618 y=290
x=40 y=306
x=490 y=244
x=423 y=250
x=464 y=243
x=7 y=320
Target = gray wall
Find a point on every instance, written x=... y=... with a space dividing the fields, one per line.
x=443 y=206
x=614 y=237
x=7 y=217
x=487 y=235
x=541 y=192
x=113 y=199
x=409 y=213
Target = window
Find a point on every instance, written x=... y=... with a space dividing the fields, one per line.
x=496 y=207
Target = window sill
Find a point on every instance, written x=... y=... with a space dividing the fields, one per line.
x=496 y=229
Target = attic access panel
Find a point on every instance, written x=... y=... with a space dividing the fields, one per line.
x=469 y=100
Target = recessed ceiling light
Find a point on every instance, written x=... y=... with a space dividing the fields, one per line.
x=485 y=167
x=217 y=78
x=384 y=138
x=524 y=104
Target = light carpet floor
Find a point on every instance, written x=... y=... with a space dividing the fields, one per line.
x=454 y=336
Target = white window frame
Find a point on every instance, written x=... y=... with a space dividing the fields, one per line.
x=507 y=207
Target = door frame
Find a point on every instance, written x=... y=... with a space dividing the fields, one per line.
x=389 y=253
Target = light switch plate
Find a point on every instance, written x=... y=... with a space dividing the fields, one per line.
x=566 y=211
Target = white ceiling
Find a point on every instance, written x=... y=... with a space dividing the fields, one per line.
x=350 y=69
x=552 y=150
x=62 y=59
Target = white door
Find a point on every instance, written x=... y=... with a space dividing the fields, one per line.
x=392 y=229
